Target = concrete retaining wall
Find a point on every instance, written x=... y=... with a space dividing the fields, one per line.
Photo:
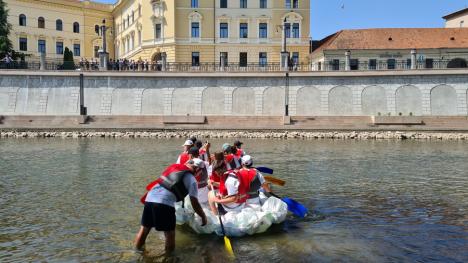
x=417 y=93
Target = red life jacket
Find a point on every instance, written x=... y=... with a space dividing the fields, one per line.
x=215 y=177
x=232 y=162
x=172 y=180
x=244 y=184
x=183 y=158
x=249 y=182
x=222 y=181
x=239 y=153
x=202 y=178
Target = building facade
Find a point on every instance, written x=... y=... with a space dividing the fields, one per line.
x=201 y=31
x=185 y=31
x=457 y=19
x=52 y=25
x=392 y=49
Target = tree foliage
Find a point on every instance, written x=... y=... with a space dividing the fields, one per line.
x=68 y=62
x=5 y=27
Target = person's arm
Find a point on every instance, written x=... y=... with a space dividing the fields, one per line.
x=198 y=209
x=227 y=200
x=207 y=148
x=265 y=185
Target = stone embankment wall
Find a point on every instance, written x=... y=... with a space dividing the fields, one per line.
x=417 y=93
x=239 y=134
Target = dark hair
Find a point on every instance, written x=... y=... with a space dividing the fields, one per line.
x=194 y=152
x=219 y=166
x=233 y=149
x=199 y=144
x=193 y=139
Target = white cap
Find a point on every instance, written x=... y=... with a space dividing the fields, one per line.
x=247 y=160
x=198 y=163
x=188 y=143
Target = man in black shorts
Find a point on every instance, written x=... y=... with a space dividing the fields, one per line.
x=159 y=211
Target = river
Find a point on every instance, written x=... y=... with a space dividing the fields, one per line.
x=77 y=200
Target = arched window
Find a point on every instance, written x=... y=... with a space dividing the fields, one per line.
x=22 y=20
x=58 y=25
x=41 y=22
x=76 y=27
x=96 y=29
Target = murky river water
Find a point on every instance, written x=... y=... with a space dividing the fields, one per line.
x=68 y=200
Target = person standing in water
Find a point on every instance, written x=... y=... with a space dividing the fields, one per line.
x=176 y=182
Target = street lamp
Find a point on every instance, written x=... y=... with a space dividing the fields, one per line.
x=103 y=55
x=285 y=67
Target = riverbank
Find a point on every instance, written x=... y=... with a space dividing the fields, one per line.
x=353 y=135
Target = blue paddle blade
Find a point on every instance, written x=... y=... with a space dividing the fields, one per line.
x=295 y=207
x=265 y=170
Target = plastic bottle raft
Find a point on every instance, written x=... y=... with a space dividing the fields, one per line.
x=252 y=219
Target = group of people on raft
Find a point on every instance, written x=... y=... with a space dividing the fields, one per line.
x=225 y=181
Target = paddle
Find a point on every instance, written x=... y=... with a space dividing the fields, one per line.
x=293 y=206
x=274 y=180
x=227 y=242
x=265 y=170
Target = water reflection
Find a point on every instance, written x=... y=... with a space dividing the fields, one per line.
x=77 y=200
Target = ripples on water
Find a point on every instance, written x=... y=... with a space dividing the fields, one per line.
x=372 y=201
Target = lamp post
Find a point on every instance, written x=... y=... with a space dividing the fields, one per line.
x=285 y=67
x=103 y=55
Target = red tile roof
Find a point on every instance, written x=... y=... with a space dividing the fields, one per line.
x=395 y=38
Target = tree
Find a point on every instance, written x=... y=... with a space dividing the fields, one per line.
x=5 y=27
x=68 y=62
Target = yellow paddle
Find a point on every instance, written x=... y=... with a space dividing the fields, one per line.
x=274 y=180
x=227 y=242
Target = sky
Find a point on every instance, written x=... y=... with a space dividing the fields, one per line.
x=330 y=16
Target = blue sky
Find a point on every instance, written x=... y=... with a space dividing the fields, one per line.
x=329 y=16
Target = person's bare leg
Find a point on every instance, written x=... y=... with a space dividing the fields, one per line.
x=211 y=202
x=140 y=238
x=170 y=241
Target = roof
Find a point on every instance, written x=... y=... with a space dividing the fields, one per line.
x=455 y=14
x=395 y=38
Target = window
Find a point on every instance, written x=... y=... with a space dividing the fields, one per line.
x=96 y=51
x=195 y=29
x=263 y=30
x=243 y=30
x=335 y=64
x=295 y=3
x=243 y=59
x=22 y=20
x=76 y=27
x=287 y=4
x=139 y=10
x=76 y=50
x=263 y=4
x=133 y=16
x=194 y=4
x=195 y=59
x=354 y=64
x=59 y=48
x=41 y=22
x=58 y=25
x=243 y=3
x=157 y=31
x=408 y=63
x=462 y=23
x=287 y=29
x=223 y=3
x=41 y=46
x=295 y=30
x=262 y=59
x=23 y=44
x=373 y=64
x=223 y=30
x=391 y=63
x=295 y=58
x=225 y=55
x=96 y=29
x=429 y=63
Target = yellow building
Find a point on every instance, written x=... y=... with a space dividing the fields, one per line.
x=200 y=31
x=52 y=25
x=457 y=19
x=186 y=31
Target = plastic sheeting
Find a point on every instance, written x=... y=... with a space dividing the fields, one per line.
x=251 y=220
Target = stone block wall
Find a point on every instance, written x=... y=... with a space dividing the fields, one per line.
x=236 y=95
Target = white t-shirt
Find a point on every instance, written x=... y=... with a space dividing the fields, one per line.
x=232 y=187
x=161 y=195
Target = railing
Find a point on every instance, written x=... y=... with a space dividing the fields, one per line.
x=327 y=66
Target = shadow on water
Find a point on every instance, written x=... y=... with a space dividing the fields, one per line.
x=68 y=200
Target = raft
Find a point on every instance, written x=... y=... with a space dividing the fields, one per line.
x=249 y=221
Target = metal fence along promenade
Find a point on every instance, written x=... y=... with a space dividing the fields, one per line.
x=141 y=66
